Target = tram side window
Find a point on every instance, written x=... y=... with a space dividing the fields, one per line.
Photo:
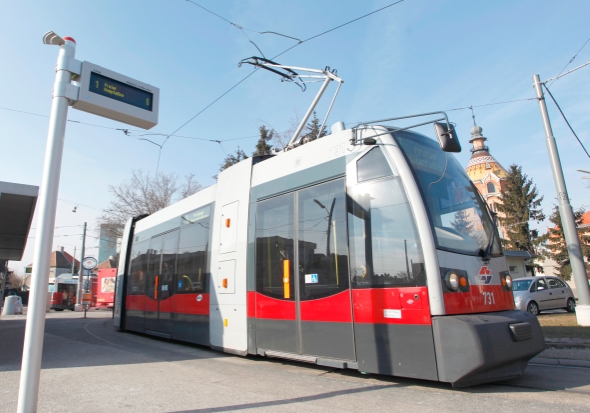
x=153 y=270
x=168 y=264
x=193 y=252
x=139 y=263
x=385 y=248
x=323 y=252
x=274 y=247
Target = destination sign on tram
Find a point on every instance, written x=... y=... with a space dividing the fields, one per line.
x=112 y=95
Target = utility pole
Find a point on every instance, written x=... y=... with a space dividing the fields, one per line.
x=46 y=206
x=567 y=215
x=74 y=261
x=79 y=306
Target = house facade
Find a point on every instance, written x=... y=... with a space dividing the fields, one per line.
x=60 y=263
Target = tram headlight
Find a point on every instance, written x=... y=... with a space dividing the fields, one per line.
x=509 y=282
x=455 y=280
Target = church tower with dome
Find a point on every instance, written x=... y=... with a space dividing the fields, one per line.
x=486 y=172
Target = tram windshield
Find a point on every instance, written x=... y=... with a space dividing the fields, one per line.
x=460 y=219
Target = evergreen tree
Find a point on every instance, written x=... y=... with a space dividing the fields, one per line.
x=262 y=146
x=521 y=203
x=313 y=128
x=461 y=223
x=557 y=247
x=232 y=159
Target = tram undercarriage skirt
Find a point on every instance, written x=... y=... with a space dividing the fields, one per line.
x=480 y=348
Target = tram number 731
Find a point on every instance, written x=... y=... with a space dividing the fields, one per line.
x=488 y=298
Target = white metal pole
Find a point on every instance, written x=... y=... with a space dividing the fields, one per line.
x=79 y=306
x=567 y=215
x=47 y=204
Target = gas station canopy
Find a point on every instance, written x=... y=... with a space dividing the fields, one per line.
x=17 y=205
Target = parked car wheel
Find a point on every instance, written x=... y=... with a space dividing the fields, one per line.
x=58 y=309
x=571 y=305
x=533 y=308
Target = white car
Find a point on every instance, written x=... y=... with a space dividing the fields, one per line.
x=541 y=293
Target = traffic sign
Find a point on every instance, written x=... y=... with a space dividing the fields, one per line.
x=89 y=263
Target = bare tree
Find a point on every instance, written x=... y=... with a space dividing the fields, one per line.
x=143 y=194
x=281 y=140
x=17 y=280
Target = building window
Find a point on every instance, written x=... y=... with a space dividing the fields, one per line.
x=488 y=165
x=514 y=269
x=491 y=188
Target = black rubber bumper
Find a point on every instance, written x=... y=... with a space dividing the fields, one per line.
x=482 y=348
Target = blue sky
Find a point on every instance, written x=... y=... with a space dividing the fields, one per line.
x=417 y=56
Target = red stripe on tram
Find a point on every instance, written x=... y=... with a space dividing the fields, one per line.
x=273 y=308
x=333 y=308
x=407 y=305
x=191 y=304
x=480 y=299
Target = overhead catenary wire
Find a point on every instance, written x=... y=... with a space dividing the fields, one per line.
x=239 y=26
x=198 y=113
x=564 y=118
x=337 y=27
x=133 y=133
x=251 y=73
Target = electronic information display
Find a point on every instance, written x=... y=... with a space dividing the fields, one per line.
x=116 y=96
x=114 y=89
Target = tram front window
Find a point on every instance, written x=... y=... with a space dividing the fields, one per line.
x=459 y=217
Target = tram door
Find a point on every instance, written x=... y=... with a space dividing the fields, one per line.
x=303 y=300
x=159 y=315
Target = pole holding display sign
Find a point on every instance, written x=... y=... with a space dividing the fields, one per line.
x=47 y=204
x=113 y=96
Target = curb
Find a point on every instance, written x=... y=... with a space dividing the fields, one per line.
x=559 y=362
x=567 y=343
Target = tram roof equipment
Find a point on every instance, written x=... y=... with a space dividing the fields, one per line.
x=290 y=74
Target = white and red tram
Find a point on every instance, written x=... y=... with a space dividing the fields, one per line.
x=367 y=249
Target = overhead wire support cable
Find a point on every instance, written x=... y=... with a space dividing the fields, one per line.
x=490 y=104
x=566 y=73
x=568 y=63
x=564 y=118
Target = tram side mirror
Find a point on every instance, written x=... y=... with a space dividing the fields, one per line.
x=447 y=138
